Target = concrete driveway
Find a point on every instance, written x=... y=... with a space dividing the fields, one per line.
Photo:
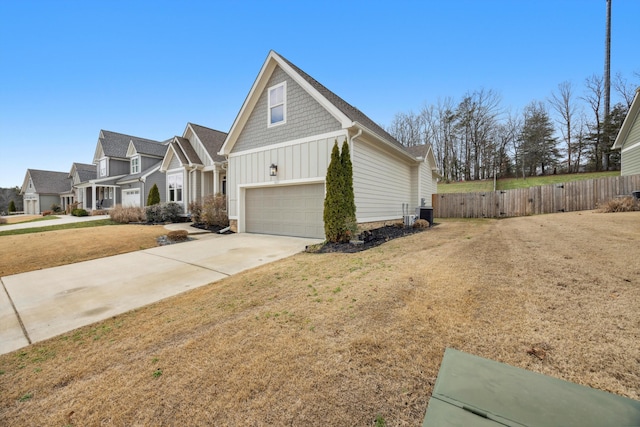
x=41 y=304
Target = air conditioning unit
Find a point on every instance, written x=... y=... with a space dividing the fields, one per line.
x=409 y=220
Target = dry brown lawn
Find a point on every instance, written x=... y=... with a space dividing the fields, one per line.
x=14 y=219
x=339 y=339
x=35 y=251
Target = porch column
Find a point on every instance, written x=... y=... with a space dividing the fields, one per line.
x=216 y=180
x=93 y=196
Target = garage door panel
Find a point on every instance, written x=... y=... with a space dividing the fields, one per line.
x=294 y=210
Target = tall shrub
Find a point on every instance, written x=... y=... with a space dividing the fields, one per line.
x=154 y=196
x=348 y=200
x=12 y=206
x=334 y=212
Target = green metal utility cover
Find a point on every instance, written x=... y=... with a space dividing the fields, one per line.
x=472 y=391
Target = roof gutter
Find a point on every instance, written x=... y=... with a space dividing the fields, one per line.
x=387 y=142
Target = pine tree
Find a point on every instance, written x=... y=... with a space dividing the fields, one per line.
x=154 y=196
x=348 y=195
x=333 y=215
x=12 y=206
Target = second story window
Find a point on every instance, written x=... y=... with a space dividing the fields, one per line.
x=103 y=167
x=135 y=165
x=277 y=104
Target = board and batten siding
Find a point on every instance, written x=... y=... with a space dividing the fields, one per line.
x=381 y=183
x=305 y=117
x=307 y=159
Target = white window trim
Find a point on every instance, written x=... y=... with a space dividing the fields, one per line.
x=131 y=165
x=106 y=167
x=172 y=174
x=284 y=104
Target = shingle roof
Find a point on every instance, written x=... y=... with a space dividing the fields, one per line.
x=150 y=148
x=347 y=109
x=187 y=151
x=418 y=150
x=116 y=144
x=85 y=171
x=211 y=139
x=50 y=182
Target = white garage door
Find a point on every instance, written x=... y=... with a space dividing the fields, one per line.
x=294 y=210
x=131 y=198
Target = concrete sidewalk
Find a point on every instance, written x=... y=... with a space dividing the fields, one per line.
x=41 y=304
x=61 y=219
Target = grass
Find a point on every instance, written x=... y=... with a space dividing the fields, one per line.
x=73 y=225
x=258 y=348
x=514 y=183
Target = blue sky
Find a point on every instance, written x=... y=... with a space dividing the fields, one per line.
x=146 y=68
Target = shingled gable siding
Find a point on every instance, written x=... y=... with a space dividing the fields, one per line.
x=306 y=160
x=174 y=163
x=119 y=167
x=198 y=148
x=631 y=151
x=381 y=183
x=304 y=117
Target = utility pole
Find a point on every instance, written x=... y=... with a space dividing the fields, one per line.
x=607 y=88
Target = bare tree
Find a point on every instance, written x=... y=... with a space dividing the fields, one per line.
x=625 y=89
x=562 y=103
x=593 y=97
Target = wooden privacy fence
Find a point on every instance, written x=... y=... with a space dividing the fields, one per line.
x=565 y=197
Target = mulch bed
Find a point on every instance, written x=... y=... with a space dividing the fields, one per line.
x=366 y=240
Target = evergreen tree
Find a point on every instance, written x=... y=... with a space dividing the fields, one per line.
x=154 y=196
x=12 y=206
x=334 y=215
x=348 y=195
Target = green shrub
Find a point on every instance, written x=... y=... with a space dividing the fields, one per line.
x=56 y=208
x=154 y=196
x=154 y=214
x=171 y=211
x=12 y=206
x=214 y=211
x=79 y=212
x=126 y=215
x=339 y=215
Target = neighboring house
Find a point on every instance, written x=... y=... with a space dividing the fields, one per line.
x=628 y=140
x=42 y=189
x=193 y=166
x=80 y=173
x=279 y=149
x=126 y=169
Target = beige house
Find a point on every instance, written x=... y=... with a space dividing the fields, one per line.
x=278 y=151
x=628 y=139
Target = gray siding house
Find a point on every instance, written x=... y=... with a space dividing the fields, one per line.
x=628 y=139
x=41 y=189
x=126 y=168
x=192 y=166
x=278 y=151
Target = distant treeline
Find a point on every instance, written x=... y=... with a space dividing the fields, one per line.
x=476 y=138
x=8 y=194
